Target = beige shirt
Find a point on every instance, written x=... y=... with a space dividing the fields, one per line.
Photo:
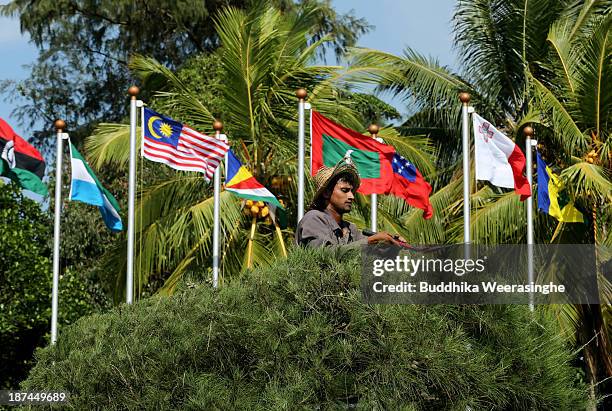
x=318 y=229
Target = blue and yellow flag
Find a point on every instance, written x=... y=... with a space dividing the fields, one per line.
x=549 y=186
x=241 y=182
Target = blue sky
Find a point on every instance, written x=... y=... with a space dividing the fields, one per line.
x=423 y=25
x=16 y=52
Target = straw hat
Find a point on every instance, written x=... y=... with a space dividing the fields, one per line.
x=326 y=175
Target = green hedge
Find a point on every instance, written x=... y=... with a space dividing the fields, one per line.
x=296 y=336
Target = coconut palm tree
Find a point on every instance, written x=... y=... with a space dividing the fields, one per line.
x=265 y=56
x=576 y=112
x=541 y=62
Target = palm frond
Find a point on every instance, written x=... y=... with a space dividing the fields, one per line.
x=588 y=180
x=605 y=153
x=585 y=14
x=488 y=52
x=179 y=97
x=566 y=133
x=433 y=231
x=593 y=76
x=178 y=192
x=533 y=116
x=416 y=149
x=110 y=144
x=411 y=75
x=559 y=38
x=496 y=219
x=497 y=39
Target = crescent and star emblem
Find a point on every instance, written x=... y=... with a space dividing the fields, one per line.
x=8 y=154
x=152 y=129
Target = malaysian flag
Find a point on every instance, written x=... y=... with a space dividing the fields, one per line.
x=180 y=147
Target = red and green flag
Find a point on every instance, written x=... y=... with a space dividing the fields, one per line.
x=381 y=169
x=241 y=182
x=330 y=143
x=21 y=162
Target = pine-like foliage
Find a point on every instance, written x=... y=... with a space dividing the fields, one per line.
x=297 y=336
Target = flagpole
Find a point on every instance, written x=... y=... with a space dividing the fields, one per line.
x=60 y=125
x=373 y=129
x=279 y=233
x=218 y=126
x=528 y=131
x=465 y=100
x=129 y=289
x=251 y=239
x=301 y=95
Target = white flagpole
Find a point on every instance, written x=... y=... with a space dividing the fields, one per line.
x=129 y=288
x=218 y=126
x=528 y=131
x=141 y=105
x=301 y=95
x=373 y=129
x=465 y=100
x=60 y=125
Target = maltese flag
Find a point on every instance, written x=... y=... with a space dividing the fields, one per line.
x=498 y=159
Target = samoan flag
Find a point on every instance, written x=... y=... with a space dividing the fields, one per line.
x=410 y=185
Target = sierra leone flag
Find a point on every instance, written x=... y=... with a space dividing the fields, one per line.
x=21 y=162
x=86 y=187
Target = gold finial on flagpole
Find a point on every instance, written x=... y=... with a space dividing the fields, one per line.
x=301 y=93
x=133 y=91
x=528 y=131
x=373 y=129
x=60 y=125
x=464 y=97
x=218 y=125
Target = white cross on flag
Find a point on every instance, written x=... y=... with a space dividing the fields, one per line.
x=498 y=159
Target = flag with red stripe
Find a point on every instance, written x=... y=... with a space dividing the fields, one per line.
x=498 y=159
x=242 y=183
x=169 y=142
x=409 y=184
x=330 y=142
x=21 y=162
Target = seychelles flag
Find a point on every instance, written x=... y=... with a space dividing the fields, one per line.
x=549 y=187
x=330 y=143
x=86 y=187
x=241 y=182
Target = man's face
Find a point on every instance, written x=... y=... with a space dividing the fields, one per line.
x=342 y=197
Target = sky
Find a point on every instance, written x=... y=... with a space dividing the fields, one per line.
x=17 y=52
x=422 y=25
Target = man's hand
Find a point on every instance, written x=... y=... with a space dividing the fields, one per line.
x=382 y=237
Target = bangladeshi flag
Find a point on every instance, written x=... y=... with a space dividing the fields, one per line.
x=20 y=161
x=330 y=143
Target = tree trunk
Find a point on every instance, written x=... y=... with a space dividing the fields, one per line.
x=593 y=338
